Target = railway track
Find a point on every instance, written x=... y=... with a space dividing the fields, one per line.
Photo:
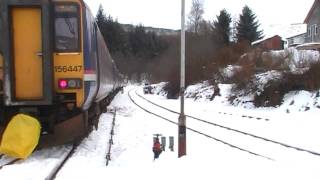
x=257 y=141
x=201 y=133
x=51 y=172
x=44 y=164
x=59 y=166
x=8 y=162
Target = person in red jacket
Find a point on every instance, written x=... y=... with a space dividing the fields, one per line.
x=156 y=148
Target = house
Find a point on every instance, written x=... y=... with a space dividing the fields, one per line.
x=269 y=43
x=296 y=40
x=313 y=23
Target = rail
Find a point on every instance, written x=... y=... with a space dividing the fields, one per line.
x=201 y=133
x=237 y=131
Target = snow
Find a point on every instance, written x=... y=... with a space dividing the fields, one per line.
x=285 y=30
x=298 y=61
x=311 y=45
x=230 y=70
x=262 y=39
x=201 y=91
x=132 y=157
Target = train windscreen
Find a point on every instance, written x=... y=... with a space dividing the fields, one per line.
x=67 y=33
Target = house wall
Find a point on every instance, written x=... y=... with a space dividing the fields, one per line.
x=313 y=28
x=274 y=43
x=292 y=41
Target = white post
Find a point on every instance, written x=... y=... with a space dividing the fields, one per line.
x=182 y=118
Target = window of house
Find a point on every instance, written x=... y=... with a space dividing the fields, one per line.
x=291 y=41
x=67 y=35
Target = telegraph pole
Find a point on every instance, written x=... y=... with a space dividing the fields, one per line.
x=182 y=149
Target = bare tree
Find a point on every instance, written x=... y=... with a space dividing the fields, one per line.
x=234 y=31
x=195 y=17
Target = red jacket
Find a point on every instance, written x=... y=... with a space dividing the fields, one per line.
x=157 y=146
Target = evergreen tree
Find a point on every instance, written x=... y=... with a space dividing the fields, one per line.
x=137 y=40
x=146 y=45
x=112 y=32
x=115 y=36
x=221 y=27
x=247 y=27
x=101 y=17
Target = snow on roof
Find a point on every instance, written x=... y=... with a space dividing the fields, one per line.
x=263 y=39
x=312 y=45
x=285 y=30
x=296 y=35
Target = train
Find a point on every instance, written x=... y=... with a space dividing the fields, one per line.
x=54 y=66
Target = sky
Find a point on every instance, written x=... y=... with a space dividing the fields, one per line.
x=166 y=13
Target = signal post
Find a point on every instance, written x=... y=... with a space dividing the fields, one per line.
x=182 y=143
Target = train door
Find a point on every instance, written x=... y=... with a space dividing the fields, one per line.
x=27 y=54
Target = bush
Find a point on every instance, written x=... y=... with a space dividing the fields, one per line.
x=271 y=96
x=309 y=80
x=274 y=90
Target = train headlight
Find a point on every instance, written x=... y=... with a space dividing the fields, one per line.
x=63 y=84
x=70 y=83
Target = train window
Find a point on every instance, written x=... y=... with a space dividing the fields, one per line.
x=67 y=35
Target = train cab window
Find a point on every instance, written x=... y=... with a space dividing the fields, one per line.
x=67 y=35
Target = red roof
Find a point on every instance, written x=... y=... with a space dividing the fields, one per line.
x=311 y=10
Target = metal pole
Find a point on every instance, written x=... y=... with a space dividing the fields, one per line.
x=182 y=118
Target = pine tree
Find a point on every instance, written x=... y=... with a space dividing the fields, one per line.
x=137 y=40
x=101 y=17
x=221 y=27
x=114 y=35
x=247 y=28
x=112 y=32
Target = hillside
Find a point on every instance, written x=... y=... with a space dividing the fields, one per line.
x=158 y=31
x=290 y=83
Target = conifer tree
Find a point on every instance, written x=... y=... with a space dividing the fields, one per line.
x=115 y=35
x=221 y=27
x=101 y=17
x=247 y=27
x=112 y=32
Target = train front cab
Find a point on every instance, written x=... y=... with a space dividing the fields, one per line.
x=43 y=66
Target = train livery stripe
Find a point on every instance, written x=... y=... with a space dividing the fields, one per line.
x=90 y=77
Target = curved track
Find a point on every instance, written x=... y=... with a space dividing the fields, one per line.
x=235 y=130
x=257 y=139
x=199 y=132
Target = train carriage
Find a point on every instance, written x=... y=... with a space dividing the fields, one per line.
x=54 y=66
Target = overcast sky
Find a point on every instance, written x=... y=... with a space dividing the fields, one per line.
x=166 y=13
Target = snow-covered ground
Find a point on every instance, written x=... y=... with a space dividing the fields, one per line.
x=132 y=156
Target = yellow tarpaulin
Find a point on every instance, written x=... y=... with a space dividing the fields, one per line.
x=20 y=137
